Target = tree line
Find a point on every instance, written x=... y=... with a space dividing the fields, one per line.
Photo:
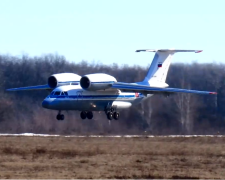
x=179 y=113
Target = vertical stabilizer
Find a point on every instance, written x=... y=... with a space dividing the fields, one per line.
x=159 y=67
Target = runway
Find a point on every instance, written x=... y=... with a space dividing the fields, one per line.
x=50 y=156
x=108 y=136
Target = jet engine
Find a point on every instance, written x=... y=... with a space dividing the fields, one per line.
x=60 y=79
x=98 y=81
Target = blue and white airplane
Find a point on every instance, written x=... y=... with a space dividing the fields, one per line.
x=102 y=92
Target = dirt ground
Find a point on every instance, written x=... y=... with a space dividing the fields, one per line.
x=81 y=158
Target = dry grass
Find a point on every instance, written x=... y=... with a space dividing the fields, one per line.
x=60 y=157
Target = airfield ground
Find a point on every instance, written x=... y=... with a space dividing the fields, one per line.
x=158 y=157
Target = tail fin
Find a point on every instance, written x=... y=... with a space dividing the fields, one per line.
x=159 y=67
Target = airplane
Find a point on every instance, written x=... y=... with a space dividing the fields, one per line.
x=102 y=92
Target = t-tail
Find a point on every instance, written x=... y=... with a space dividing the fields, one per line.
x=157 y=73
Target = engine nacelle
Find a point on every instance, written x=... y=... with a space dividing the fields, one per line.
x=60 y=79
x=99 y=81
x=121 y=104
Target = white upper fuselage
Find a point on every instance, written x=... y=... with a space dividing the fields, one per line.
x=73 y=97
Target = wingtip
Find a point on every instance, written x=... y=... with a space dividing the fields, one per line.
x=139 y=50
x=198 y=51
x=212 y=92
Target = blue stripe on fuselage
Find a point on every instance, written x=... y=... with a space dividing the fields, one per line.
x=91 y=96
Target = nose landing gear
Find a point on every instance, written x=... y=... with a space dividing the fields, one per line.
x=60 y=117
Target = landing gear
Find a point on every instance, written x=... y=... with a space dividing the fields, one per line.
x=89 y=115
x=60 y=117
x=111 y=113
x=116 y=115
x=85 y=115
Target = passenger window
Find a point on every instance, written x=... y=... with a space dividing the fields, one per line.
x=66 y=94
x=57 y=93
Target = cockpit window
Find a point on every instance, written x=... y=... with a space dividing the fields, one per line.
x=64 y=93
x=57 y=93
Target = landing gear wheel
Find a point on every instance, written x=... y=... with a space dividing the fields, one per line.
x=116 y=115
x=83 y=115
x=89 y=115
x=110 y=115
x=60 y=117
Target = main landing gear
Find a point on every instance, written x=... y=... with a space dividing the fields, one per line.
x=85 y=115
x=60 y=117
x=112 y=114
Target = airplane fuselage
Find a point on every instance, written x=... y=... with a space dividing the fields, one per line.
x=102 y=92
x=73 y=97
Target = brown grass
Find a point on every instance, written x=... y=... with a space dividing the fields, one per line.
x=63 y=157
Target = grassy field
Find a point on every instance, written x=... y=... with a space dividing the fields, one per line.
x=62 y=157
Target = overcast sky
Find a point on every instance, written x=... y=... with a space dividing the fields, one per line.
x=109 y=31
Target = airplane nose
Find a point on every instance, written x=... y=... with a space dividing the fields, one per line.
x=45 y=104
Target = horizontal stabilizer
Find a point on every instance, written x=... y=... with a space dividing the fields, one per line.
x=142 y=88
x=40 y=87
x=168 y=50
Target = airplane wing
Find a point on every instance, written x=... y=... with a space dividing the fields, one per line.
x=154 y=90
x=40 y=87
